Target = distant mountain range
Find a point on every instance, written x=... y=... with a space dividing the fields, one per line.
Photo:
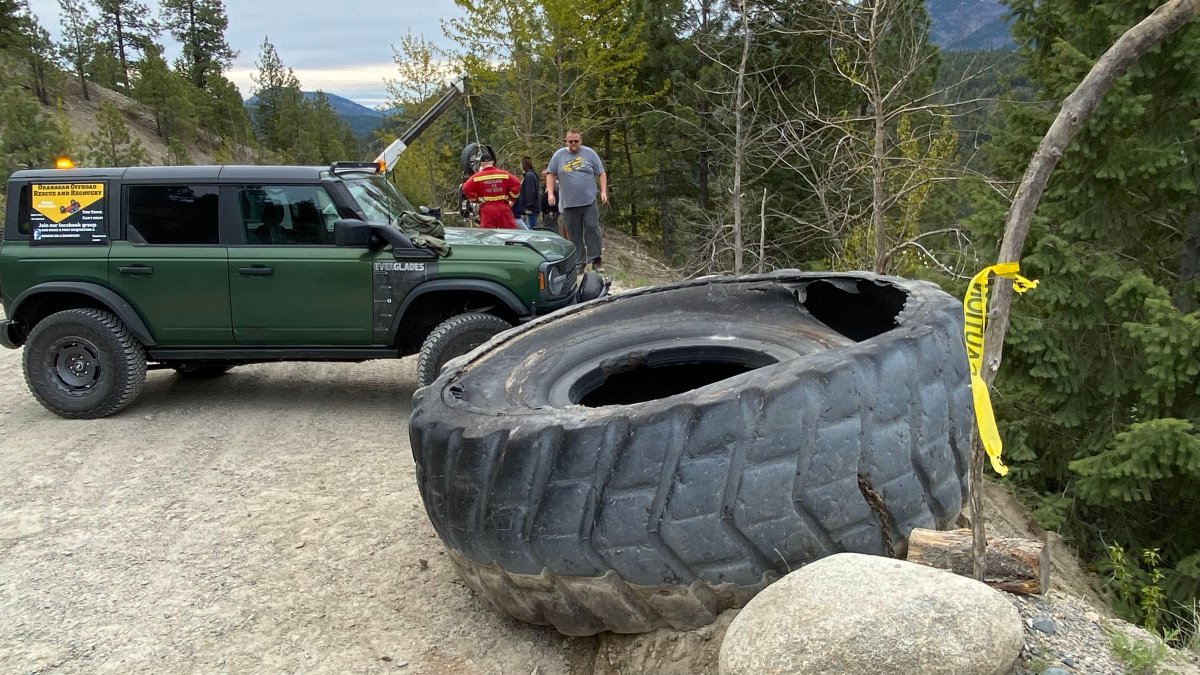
x=363 y=121
x=969 y=25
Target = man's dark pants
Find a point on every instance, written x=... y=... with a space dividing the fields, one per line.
x=583 y=229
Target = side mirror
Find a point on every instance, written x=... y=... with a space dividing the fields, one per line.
x=348 y=232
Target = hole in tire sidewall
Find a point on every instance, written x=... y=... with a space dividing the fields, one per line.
x=644 y=375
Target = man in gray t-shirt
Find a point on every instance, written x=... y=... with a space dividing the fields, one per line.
x=575 y=169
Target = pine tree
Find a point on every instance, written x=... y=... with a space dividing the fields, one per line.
x=78 y=42
x=177 y=154
x=167 y=93
x=277 y=110
x=125 y=25
x=331 y=136
x=1098 y=394
x=10 y=11
x=222 y=112
x=39 y=55
x=112 y=144
x=28 y=138
x=199 y=26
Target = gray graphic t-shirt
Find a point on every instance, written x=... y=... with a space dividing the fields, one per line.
x=576 y=175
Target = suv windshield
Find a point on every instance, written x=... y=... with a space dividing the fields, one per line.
x=377 y=197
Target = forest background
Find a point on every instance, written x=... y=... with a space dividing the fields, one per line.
x=748 y=135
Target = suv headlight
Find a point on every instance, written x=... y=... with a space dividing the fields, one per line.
x=556 y=281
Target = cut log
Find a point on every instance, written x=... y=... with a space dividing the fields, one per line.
x=1013 y=565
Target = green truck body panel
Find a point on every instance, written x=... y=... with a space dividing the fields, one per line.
x=226 y=293
x=181 y=292
x=314 y=295
x=23 y=266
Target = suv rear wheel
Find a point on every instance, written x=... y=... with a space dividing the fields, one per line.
x=84 y=363
x=454 y=337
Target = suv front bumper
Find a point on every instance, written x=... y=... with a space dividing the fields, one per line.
x=590 y=287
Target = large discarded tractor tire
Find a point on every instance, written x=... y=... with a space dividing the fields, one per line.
x=653 y=458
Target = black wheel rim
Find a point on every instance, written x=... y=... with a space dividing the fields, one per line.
x=73 y=365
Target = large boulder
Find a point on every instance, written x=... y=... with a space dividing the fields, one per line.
x=852 y=613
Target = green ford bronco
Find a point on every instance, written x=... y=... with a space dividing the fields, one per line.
x=203 y=268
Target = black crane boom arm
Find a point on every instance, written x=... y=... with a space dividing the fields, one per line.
x=392 y=153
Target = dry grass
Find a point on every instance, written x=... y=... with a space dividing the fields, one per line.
x=632 y=264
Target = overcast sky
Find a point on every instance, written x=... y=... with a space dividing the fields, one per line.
x=343 y=48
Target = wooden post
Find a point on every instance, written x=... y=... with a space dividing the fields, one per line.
x=1013 y=565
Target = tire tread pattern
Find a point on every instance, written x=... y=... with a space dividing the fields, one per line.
x=129 y=359
x=431 y=358
x=607 y=542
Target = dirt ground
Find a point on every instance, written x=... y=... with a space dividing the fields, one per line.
x=264 y=521
x=269 y=521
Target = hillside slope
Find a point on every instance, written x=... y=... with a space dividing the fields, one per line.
x=81 y=114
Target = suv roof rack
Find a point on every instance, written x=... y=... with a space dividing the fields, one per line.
x=373 y=167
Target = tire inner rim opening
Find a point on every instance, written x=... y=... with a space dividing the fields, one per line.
x=649 y=375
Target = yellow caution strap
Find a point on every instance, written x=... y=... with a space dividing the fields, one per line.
x=974 y=327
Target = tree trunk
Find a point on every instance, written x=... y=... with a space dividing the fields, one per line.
x=705 y=115
x=878 y=224
x=120 y=32
x=762 y=232
x=1184 y=296
x=739 y=149
x=1169 y=17
x=664 y=205
x=702 y=176
x=631 y=193
x=1013 y=565
x=198 y=73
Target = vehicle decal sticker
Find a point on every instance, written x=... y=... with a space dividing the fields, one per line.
x=68 y=213
x=393 y=281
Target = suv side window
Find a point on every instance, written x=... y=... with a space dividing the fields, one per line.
x=23 y=224
x=287 y=215
x=172 y=214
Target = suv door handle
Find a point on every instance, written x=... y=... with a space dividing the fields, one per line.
x=256 y=271
x=136 y=270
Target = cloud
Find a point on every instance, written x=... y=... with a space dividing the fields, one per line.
x=342 y=49
x=360 y=83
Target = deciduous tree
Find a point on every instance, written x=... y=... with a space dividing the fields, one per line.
x=423 y=172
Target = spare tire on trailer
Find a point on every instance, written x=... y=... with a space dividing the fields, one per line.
x=653 y=458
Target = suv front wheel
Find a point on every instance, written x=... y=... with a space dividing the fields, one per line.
x=454 y=337
x=84 y=364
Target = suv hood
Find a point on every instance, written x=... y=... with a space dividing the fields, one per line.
x=551 y=246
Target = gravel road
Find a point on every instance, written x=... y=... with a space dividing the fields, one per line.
x=264 y=521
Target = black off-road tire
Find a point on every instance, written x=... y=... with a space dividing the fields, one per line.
x=84 y=364
x=453 y=338
x=836 y=419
